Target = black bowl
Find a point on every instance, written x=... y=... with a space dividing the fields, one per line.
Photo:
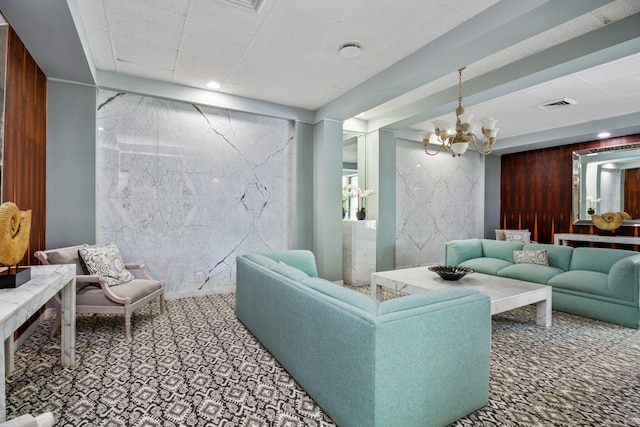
x=450 y=272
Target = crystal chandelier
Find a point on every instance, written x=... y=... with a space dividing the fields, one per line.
x=464 y=135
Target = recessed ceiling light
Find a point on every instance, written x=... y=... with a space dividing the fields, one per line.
x=604 y=135
x=213 y=85
x=350 y=50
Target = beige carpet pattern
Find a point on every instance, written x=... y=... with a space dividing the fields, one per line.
x=197 y=365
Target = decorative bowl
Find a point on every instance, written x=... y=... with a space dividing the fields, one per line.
x=450 y=272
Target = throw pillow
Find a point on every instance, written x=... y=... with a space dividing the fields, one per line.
x=521 y=236
x=105 y=261
x=500 y=232
x=539 y=256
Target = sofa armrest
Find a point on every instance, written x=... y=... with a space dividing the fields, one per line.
x=623 y=279
x=423 y=300
x=457 y=251
x=437 y=355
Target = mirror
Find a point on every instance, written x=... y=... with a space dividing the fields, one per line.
x=353 y=150
x=606 y=180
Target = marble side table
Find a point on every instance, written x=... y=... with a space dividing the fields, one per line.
x=17 y=305
x=358 y=251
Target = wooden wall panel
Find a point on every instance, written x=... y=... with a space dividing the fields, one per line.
x=24 y=152
x=535 y=190
x=632 y=192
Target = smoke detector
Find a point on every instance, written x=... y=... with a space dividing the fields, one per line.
x=350 y=50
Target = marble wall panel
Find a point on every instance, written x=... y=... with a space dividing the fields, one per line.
x=438 y=198
x=187 y=188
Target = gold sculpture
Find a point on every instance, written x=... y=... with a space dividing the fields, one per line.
x=15 y=227
x=609 y=221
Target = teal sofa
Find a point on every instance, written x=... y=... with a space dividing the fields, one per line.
x=419 y=360
x=598 y=283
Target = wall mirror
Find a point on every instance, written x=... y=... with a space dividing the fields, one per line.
x=606 y=179
x=353 y=151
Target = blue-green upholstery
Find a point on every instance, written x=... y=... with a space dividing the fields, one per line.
x=598 y=283
x=418 y=360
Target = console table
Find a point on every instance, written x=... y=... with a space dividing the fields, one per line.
x=565 y=238
x=17 y=305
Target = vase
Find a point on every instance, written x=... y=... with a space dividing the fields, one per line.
x=590 y=211
x=360 y=215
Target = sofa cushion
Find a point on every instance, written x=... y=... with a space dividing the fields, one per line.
x=589 y=282
x=486 y=265
x=260 y=259
x=301 y=259
x=288 y=271
x=559 y=256
x=537 y=256
x=499 y=249
x=135 y=289
x=530 y=272
x=597 y=259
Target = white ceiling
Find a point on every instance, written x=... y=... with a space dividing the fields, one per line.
x=518 y=53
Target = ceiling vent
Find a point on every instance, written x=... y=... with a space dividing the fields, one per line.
x=253 y=5
x=557 y=103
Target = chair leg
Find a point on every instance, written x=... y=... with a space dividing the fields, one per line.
x=127 y=324
x=162 y=305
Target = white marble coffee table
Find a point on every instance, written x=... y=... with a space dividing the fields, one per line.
x=506 y=294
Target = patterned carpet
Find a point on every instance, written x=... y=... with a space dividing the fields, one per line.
x=198 y=366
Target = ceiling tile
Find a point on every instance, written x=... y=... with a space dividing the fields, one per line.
x=336 y=10
x=220 y=16
x=204 y=66
x=296 y=29
x=612 y=71
x=272 y=57
x=567 y=86
x=179 y=7
x=144 y=71
x=138 y=21
x=143 y=52
x=243 y=75
x=102 y=50
x=562 y=33
x=228 y=45
x=93 y=14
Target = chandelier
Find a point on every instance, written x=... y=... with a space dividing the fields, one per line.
x=464 y=135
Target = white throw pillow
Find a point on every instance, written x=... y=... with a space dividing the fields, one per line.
x=105 y=261
x=521 y=236
x=538 y=256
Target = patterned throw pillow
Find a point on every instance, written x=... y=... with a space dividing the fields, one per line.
x=539 y=256
x=521 y=236
x=105 y=261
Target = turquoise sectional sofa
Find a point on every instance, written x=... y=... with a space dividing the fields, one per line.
x=419 y=360
x=597 y=283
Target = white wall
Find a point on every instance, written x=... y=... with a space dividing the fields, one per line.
x=438 y=198
x=186 y=189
